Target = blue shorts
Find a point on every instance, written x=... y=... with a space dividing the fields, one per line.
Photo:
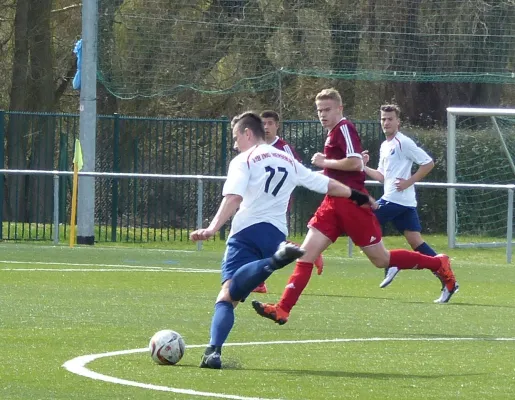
x=403 y=218
x=253 y=243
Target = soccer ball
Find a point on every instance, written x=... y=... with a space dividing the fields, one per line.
x=166 y=347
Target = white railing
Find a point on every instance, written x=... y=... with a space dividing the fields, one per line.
x=200 y=195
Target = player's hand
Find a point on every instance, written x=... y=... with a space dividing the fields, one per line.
x=362 y=199
x=373 y=203
x=201 y=234
x=401 y=184
x=318 y=160
x=366 y=157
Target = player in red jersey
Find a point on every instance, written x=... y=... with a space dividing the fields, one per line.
x=342 y=160
x=271 y=122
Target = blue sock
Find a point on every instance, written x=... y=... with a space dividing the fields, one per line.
x=424 y=248
x=248 y=277
x=222 y=323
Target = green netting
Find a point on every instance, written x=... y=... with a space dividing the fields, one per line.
x=158 y=47
x=485 y=153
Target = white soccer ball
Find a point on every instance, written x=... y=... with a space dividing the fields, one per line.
x=167 y=347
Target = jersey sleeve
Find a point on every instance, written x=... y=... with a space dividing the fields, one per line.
x=237 y=177
x=311 y=180
x=416 y=154
x=380 y=166
x=349 y=141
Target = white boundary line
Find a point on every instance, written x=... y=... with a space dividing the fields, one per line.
x=121 y=266
x=78 y=365
x=93 y=248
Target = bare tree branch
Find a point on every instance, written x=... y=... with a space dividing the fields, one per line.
x=67 y=8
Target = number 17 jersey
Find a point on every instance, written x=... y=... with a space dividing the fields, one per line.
x=265 y=178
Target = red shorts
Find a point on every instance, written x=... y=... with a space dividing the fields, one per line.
x=339 y=215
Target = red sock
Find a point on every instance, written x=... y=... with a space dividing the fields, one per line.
x=296 y=284
x=406 y=259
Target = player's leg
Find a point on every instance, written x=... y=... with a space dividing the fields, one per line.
x=245 y=278
x=239 y=251
x=408 y=223
x=314 y=244
x=385 y=212
x=319 y=262
x=406 y=259
x=221 y=325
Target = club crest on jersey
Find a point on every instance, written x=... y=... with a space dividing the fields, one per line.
x=327 y=141
x=392 y=152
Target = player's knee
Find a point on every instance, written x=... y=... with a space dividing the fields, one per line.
x=224 y=294
x=380 y=261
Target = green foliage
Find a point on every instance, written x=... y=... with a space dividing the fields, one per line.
x=235 y=46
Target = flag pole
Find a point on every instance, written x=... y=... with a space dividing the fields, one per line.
x=77 y=166
x=73 y=218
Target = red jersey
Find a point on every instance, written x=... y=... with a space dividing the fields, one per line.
x=281 y=144
x=343 y=141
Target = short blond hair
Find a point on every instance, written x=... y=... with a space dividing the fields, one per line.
x=330 y=94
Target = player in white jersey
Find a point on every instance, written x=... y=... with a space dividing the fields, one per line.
x=259 y=183
x=398 y=203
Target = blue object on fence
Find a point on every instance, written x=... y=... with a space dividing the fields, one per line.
x=78 y=52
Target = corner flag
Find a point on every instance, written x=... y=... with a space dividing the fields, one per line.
x=77 y=166
x=77 y=157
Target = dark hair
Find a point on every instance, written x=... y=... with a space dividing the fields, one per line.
x=249 y=120
x=270 y=114
x=391 y=108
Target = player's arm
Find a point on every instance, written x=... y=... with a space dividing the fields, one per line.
x=420 y=157
x=421 y=173
x=350 y=145
x=227 y=208
x=350 y=163
x=323 y=184
x=234 y=188
x=375 y=174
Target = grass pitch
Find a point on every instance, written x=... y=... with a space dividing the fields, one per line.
x=346 y=339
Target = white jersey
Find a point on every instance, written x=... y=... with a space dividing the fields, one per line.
x=395 y=161
x=265 y=177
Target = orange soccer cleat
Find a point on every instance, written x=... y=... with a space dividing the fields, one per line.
x=271 y=311
x=447 y=277
x=261 y=288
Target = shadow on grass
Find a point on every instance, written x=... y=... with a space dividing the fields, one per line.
x=348 y=374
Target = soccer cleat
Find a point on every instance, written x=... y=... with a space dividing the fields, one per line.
x=319 y=263
x=440 y=279
x=447 y=294
x=271 y=311
x=285 y=254
x=448 y=279
x=261 y=288
x=390 y=273
x=213 y=360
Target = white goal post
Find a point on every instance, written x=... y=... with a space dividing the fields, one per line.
x=453 y=177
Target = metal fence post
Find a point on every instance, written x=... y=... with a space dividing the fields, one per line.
x=2 y=164
x=56 y=209
x=200 y=205
x=509 y=229
x=225 y=126
x=114 y=187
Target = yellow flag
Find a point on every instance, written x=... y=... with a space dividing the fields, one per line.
x=77 y=157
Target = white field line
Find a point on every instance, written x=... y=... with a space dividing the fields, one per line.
x=78 y=365
x=92 y=248
x=112 y=267
x=103 y=270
